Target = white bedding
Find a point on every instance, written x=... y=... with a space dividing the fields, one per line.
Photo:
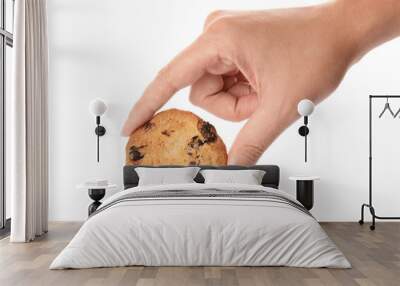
x=200 y=231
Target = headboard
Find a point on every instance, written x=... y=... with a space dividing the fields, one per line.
x=271 y=177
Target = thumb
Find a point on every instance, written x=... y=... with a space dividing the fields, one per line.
x=262 y=128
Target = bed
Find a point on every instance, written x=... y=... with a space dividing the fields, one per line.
x=198 y=224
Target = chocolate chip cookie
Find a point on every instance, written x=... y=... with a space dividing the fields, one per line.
x=176 y=137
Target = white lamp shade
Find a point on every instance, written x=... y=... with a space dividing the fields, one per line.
x=97 y=107
x=305 y=107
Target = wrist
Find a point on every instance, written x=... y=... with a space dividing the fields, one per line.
x=368 y=23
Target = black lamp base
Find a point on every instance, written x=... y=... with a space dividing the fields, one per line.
x=96 y=195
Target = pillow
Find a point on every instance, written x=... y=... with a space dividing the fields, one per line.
x=162 y=176
x=248 y=177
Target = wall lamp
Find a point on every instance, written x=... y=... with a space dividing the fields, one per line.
x=305 y=108
x=97 y=107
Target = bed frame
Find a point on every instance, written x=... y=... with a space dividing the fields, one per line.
x=270 y=179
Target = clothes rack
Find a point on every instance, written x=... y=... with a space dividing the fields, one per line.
x=370 y=203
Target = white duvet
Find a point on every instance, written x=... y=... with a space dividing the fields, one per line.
x=200 y=231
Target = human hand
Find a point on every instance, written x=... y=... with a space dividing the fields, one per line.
x=258 y=66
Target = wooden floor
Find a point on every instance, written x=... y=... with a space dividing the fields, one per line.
x=375 y=257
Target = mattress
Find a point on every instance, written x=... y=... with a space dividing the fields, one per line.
x=201 y=225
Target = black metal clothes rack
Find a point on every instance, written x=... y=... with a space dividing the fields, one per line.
x=370 y=204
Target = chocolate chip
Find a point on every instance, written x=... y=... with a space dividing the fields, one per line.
x=134 y=152
x=148 y=125
x=192 y=163
x=207 y=131
x=196 y=142
x=167 y=132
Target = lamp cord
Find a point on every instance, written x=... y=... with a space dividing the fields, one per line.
x=98 y=144
x=305 y=150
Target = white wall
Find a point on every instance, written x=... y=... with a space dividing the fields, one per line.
x=112 y=49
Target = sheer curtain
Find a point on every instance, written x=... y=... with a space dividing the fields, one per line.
x=28 y=159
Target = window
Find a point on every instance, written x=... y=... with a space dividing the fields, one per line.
x=6 y=44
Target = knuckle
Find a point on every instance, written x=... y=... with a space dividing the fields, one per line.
x=213 y=16
x=164 y=79
x=223 y=25
x=252 y=152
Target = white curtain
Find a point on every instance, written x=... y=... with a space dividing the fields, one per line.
x=28 y=158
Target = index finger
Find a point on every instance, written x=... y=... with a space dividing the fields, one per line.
x=182 y=71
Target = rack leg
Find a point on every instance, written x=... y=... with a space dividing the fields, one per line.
x=361 y=221
x=372 y=210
